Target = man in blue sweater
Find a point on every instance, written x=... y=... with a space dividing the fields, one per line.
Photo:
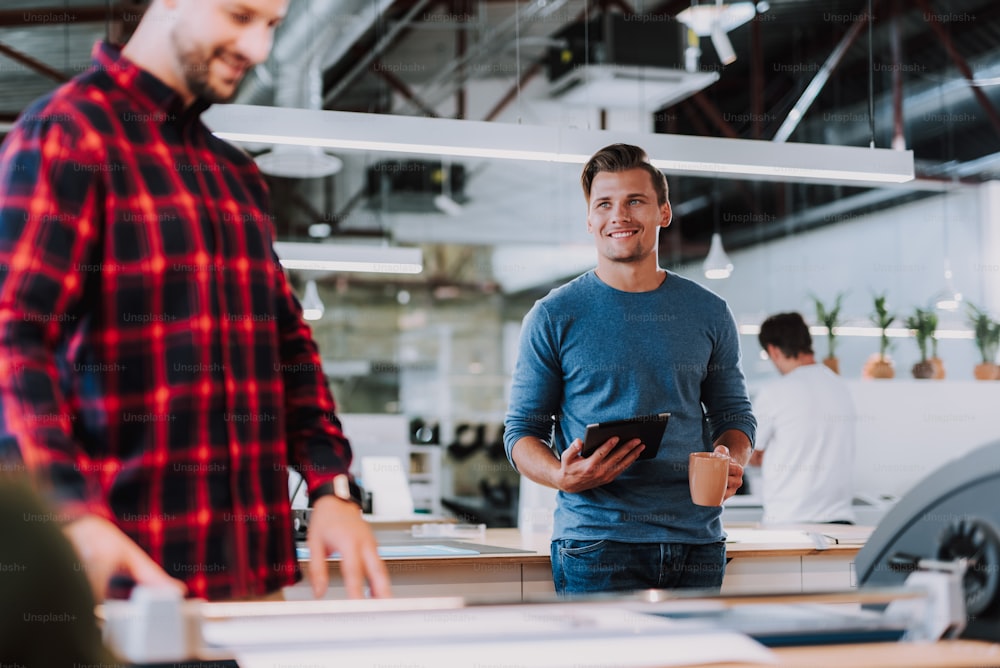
x=629 y=339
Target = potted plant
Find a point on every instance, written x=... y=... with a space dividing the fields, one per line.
x=830 y=318
x=986 y=332
x=923 y=323
x=936 y=361
x=882 y=367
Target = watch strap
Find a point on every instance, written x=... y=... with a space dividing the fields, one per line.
x=342 y=486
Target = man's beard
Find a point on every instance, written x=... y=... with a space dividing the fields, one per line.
x=195 y=66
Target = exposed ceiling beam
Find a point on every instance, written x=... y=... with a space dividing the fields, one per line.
x=714 y=115
x=530 y=73
x=811 y=92
x=933 y=19
x=445 y=80
x=376 y=51
x=33 y=64
x=401 y=87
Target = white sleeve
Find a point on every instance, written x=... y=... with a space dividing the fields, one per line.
x=764 y=410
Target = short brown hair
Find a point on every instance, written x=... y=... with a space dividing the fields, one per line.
x=620 y=158
x=788 y=332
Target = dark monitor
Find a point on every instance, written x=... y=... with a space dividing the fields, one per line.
x=953 y=513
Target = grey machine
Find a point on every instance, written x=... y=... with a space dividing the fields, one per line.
x=950 y=517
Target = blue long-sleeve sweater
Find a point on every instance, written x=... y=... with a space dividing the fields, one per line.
x=589 y=353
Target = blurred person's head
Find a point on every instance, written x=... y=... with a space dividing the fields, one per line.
x=47 y=616
x=786 y=338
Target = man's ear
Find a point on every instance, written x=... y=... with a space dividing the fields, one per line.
x=666 y=215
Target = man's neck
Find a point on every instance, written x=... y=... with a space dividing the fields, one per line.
x=148 y=49
x=644 y=276
x=793 y=363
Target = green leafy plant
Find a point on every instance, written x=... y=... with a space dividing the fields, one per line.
x=882 y=319
x=830 y=318
x=924 y=323
x=986 y=332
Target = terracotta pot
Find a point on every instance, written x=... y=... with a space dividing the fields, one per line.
x=923 y=370
x=938 y=368
x=832 y=363
x=987 y=371
x=883 y=369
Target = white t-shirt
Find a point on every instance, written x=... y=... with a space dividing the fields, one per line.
x=806 y=424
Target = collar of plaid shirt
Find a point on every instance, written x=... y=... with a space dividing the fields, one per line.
x=179 y=365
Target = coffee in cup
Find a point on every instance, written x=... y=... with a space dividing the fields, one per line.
x=708 y=475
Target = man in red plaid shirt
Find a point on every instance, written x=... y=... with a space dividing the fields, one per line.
x=155 y=370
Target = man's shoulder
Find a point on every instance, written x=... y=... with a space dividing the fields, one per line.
x=78 y=103
x=817 y=371
x=568 y=292
x=231 y=152
x=691 y=289
x=813 y=380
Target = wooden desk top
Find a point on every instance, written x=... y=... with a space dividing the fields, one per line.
x=944 y=654
x=746 y=542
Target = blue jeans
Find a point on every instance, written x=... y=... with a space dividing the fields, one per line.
x=589 y=566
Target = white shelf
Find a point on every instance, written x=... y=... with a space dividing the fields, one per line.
x=425 y=478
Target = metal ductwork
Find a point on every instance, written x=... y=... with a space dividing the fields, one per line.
x=314 y=34
x=338 y=23
x=301 y=87
x=929 y=105
x=609 y=61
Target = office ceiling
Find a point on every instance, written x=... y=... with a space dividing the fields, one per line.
x=929 y=69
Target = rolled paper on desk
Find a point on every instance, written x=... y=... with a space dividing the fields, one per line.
x=386 y=551
x=446 y=530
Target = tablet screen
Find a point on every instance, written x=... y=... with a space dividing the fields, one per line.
x=648 y=428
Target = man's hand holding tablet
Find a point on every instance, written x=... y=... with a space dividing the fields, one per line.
x=647 y=428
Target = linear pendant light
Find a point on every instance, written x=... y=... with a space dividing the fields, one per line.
x=346 y=257
x=312 y=305
x=717 y=264
x=682 y=154
x=891 y=332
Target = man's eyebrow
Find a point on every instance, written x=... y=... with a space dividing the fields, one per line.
x=242 y=8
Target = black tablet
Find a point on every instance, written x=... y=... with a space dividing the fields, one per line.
x=647 y=428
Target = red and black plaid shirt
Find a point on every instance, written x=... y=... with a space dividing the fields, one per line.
x=153 y=361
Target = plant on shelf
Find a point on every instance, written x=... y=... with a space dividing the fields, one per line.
x=923 y=323
x=881 y=318
x=830 y=318
x=986 y=332
x=934 y=359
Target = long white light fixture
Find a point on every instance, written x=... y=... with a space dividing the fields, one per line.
x=338 y=257
x=891 y=332
x=682 y=154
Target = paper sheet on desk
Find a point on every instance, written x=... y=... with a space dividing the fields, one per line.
x=693 y=650
x=405 y=551
x=753 y=536
x=553 y=636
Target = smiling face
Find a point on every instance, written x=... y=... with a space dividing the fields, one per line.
x=624 y=216
x=215 y=43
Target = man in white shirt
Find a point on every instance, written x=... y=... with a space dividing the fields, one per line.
x=805 y=433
